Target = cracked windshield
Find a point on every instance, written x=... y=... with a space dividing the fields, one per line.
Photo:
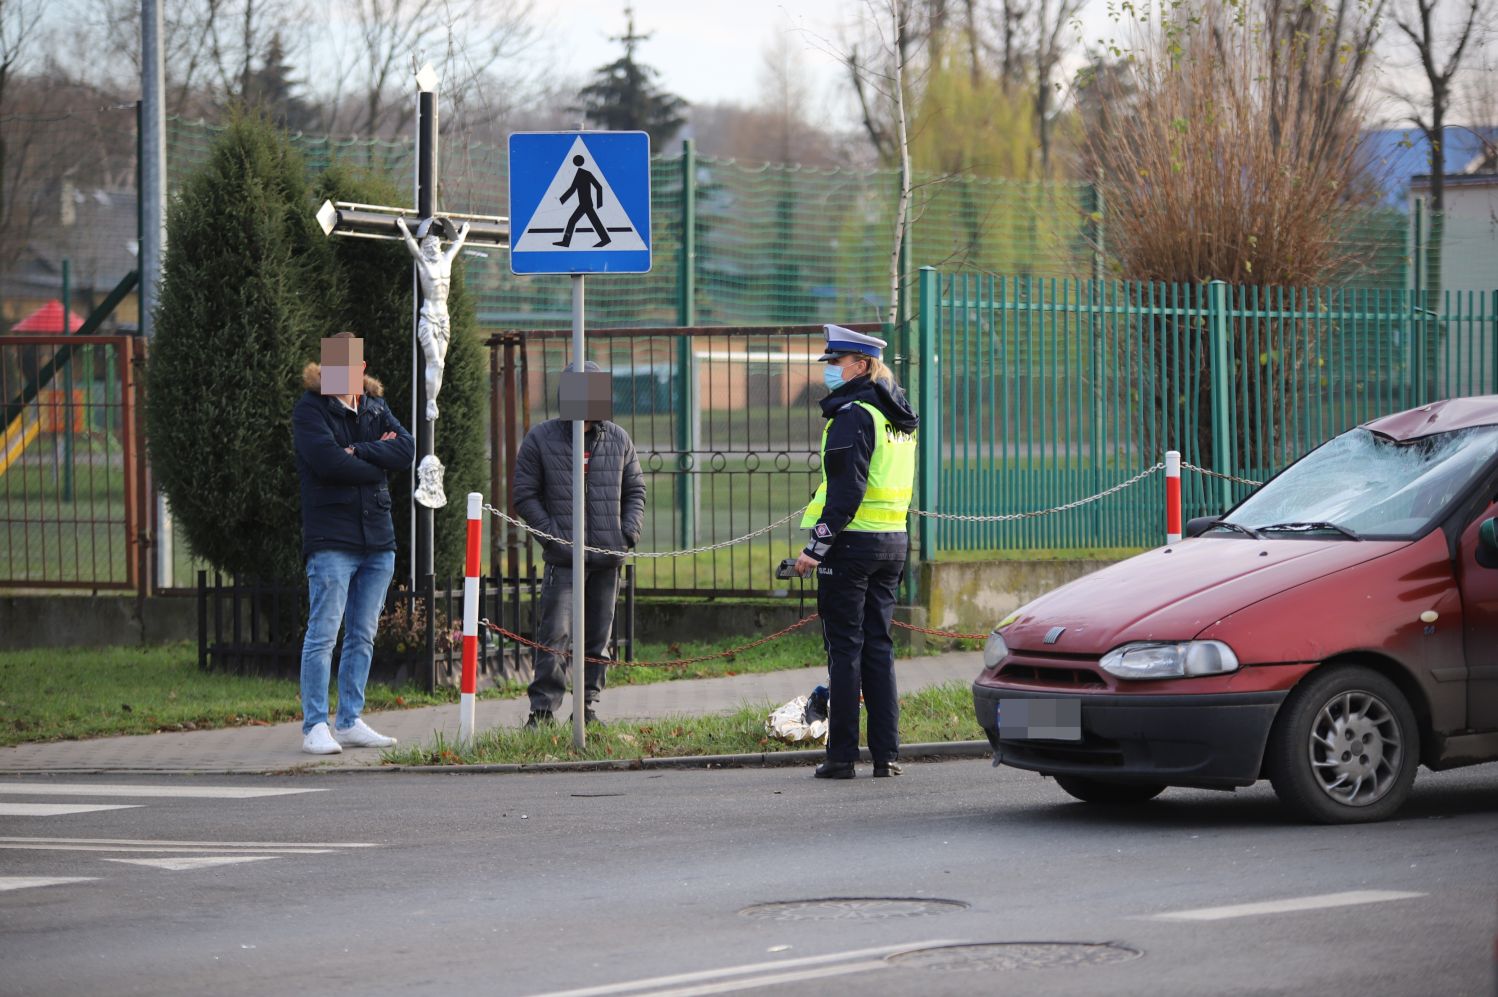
x=1364 y=485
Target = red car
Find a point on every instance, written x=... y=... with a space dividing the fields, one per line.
x=1332 y=632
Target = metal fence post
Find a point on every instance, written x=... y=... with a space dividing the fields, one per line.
x=686 y=366
x=927 y=409
x=1221 y=354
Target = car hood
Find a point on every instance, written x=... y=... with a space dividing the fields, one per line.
x=1174 y=593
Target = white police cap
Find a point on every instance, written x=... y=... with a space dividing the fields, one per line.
x=841 y=342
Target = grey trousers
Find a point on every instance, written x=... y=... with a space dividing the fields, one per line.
x=555 y=630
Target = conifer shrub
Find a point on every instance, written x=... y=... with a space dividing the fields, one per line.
x=246 y=285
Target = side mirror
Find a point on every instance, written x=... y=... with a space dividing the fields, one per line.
x=1197 y=526
x=1487 y=543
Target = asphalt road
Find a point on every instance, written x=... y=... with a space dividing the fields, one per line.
x=638 y=883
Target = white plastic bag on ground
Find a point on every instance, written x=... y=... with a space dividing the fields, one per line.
x=788 y=723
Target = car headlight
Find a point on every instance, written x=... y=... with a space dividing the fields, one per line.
x=994 y=651
x=1152 y=660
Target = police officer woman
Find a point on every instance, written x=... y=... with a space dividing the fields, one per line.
x=858 y=544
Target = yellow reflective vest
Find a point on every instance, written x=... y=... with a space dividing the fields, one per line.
x=891 y=481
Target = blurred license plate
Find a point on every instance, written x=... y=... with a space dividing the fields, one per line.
x=1040 y=719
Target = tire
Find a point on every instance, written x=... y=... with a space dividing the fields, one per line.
x=1101 y=791
x=1348 y=706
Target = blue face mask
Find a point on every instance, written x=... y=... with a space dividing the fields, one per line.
x=832 y=376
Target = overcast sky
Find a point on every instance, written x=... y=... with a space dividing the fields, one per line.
x=713 y=50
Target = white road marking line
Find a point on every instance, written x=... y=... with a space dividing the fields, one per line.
x=263 y=845
x=769 y=980
x=776 y=967
x=59 y=809
x=27 y=882
x=122 y=789
x=283 y=850
x=187 y=863
x=1349 y=899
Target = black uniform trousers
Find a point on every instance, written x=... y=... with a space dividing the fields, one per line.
x=856 y=600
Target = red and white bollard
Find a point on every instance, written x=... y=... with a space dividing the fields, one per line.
x=1172 y=496
x=471 y=569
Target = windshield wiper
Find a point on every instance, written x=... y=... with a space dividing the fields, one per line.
x=1229 y=525
x=1309 y=528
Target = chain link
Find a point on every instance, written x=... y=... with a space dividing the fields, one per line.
x=1219 y=474
x=672 y=663
x=1010 y=517
x=947 y=516
x=688 y=552
x=684 y=662
x=939 y=633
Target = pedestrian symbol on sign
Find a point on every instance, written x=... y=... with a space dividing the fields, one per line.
x=583 y=186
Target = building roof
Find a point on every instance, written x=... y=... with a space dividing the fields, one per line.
x=1396 y=156
x=48 y=320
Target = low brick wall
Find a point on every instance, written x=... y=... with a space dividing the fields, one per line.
x=971 y=596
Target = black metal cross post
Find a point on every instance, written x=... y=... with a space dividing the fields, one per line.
x=375 y=221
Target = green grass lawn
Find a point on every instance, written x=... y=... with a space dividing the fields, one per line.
x=940 y=713
x=59 y=694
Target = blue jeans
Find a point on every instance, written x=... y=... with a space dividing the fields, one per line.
x=346 y=588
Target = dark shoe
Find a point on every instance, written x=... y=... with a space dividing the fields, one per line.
x=883 y=770
x=539 y=717
x=835 y=770
x=590 y=715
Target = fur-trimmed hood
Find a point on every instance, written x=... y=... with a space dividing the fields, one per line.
x=312 y=381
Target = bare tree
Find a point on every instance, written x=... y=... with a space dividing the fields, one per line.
x=20 y=23
x=466 y=40
x=1439 y=49
x=1439 y=46
x=1312 y=90
x=1052 y=18
x=880 y=81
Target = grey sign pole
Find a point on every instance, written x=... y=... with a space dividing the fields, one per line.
x=579 y=523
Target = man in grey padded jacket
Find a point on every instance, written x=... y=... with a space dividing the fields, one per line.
x=615 y=504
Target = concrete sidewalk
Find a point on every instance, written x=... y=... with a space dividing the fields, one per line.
x=277 y=748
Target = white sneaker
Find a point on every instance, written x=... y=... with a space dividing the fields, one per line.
x=319 y=742
x=361 y=735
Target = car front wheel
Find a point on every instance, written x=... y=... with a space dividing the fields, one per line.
x=1344 y=748
x=1101 y=791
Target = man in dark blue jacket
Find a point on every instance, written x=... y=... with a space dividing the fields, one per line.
x=347 y=442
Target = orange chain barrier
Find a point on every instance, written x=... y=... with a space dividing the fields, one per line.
x=939 y=633
x=683 y=662
x=673 y=663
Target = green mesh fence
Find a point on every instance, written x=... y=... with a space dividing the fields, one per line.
x=783 y=244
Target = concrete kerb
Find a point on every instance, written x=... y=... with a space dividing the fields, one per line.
x=935 y=750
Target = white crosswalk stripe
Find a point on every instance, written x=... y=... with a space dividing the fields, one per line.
x=30 y=882
x=127 y=790
x=59 y=809
x=186 y=863
x=161 y=855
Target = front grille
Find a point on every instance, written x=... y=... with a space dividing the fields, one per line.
x=1050 y=670
x=1051 y=677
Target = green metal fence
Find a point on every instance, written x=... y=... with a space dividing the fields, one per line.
x=1045 y=391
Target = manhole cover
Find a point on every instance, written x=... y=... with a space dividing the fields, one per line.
x=1013 y=955
x=850 y=909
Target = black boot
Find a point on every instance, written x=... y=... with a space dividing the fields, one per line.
x=883 y=770
x=835 y=770
x=539 y=717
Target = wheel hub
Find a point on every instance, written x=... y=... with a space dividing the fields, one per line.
x=1355 y=748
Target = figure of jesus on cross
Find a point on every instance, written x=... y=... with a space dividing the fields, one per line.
x=434 y=269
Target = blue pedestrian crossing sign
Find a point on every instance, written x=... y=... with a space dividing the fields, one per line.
x=579 y=202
